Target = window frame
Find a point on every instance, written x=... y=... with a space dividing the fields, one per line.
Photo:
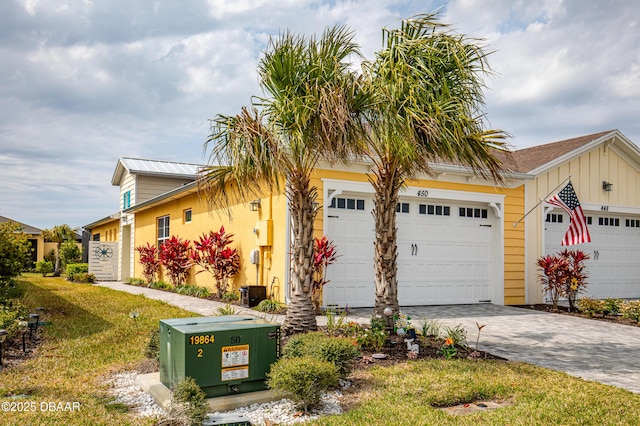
x=165 y=229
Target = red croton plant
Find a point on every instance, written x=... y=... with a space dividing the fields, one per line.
x=563 y=275
x=174 y=256
x=149 y=261
x=213 y=254
x=324 y=254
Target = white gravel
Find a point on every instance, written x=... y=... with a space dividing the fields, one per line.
x=125 y=391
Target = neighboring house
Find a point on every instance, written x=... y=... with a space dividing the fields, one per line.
x=35 y=239
x=455 y=239
x=605 y=173
x=139 y=180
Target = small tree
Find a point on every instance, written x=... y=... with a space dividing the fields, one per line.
x=14 y=251
x=58 y=234
x=149 y=261
x=69 y=253
x=324 y=254
x=213 y=254
x=174 y=256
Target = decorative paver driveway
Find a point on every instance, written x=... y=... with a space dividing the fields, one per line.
x=591 y=349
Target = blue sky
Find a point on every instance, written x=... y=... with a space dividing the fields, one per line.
x=84 y=82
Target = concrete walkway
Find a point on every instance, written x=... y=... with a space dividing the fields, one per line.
x=590 y=349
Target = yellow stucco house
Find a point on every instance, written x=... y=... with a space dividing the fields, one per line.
x=35 y=238
x=461 y=240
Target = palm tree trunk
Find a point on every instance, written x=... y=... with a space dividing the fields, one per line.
x=387 y=187
x=300 y=316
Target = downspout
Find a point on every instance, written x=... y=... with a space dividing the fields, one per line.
x=287 y=261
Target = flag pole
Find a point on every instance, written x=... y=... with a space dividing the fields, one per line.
x=541 y=201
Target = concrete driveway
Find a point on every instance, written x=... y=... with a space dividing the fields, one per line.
x=590 y=349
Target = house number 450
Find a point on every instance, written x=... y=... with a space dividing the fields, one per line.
x=423 y=193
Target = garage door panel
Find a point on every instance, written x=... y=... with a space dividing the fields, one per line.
x=614 y=264
x=442 y=259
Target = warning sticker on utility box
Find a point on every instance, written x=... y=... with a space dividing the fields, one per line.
x=235 y=373
x=235 y=355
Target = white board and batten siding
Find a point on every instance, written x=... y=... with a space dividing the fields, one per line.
x=103 y=260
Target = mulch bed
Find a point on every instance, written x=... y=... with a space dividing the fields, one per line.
x=564 y=310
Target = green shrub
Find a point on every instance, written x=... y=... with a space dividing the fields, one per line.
x=193 y=290
x=189 y=395
x=83 y=277
x=296 y=345
x=44 y=267
x=612 y=306
x=11 y=311
x=135 y=281
x=70 y=253
x=591 y=306
x=227 y=310
x=270 y=306
x=302 y=379
x=79 y=272
x=50 y=256
x=339 y=351
x=152 y=350
x=631 y=310
x=230 y=296
x=160 y=285
x=372 y=340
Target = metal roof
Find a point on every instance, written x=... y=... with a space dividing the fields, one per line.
x=154 y=167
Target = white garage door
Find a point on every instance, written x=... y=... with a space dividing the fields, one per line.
x=444 y=252
x=614 y=267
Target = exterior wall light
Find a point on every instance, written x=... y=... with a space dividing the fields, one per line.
x=254 y=205
x=3 y=337
x=607 y=186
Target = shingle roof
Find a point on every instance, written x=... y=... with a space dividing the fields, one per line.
x=27 y=229
x=528 y=159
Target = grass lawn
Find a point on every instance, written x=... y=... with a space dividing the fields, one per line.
x=92 y=336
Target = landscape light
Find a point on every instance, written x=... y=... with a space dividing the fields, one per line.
x=33 y=324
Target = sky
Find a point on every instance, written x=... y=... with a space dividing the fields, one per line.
x=85 y=82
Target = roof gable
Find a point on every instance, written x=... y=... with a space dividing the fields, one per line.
x=141 y=166
x=537 y=159
x=27 y=229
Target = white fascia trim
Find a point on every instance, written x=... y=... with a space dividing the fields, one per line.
x=611 y=208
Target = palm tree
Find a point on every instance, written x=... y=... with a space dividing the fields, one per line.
x=310 y=112
x=58 y=234
x=428 y=81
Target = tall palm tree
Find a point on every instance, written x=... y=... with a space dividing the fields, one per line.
x=428 y=83
x=58 y=234
x=310 y=112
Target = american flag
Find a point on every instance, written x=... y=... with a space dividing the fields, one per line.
x=568 y=200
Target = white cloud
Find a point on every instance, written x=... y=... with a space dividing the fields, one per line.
x=83 y=83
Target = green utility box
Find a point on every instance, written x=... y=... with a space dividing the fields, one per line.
x=225 y=355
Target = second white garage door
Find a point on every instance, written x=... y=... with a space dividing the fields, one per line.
x=614 y=267
x=444 y=252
